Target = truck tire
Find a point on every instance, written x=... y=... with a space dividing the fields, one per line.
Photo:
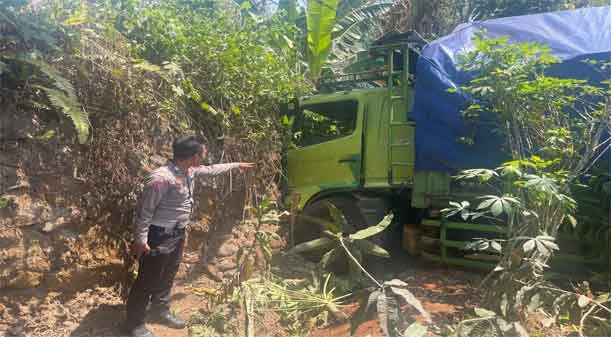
x=306 y=229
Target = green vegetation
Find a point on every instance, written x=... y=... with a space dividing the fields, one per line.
x=348 y=248
x=555 y=131
x=222 y=68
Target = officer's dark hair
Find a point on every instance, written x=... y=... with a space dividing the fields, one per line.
x=186 y=147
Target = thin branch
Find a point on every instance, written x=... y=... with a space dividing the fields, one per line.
x=583 y=320
x=341 y=240
x=570 y=293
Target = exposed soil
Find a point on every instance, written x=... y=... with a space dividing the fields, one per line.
x=447 y=293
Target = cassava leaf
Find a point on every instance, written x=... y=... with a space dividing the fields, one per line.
x=396 y=283
x=337 y=216
x=382 y=307
x=496 y=246
x=410 y=299
x=497 y=208
x=329 y=257
x=483 y=313
x=314 y=245
x=415 y=330
x=388 y=314
x=370 y=248
x=583 y=301
x=486 y=203
x=373 y=230
x=529 y=245
x=535 y=302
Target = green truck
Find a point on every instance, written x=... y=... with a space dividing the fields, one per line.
x=354 y=147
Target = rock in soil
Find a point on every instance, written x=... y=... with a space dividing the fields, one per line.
x=228 y=249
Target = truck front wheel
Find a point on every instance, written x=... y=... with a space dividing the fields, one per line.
x=308 y=226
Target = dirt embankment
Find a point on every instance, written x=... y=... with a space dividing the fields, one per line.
x=66 y=209
x=67 y=216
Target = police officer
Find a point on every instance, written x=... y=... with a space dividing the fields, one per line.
x=162 y=213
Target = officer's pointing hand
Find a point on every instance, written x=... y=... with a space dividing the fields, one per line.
x=246 y=165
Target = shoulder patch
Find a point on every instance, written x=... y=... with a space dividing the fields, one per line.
x=158 y=184
x=160 y=177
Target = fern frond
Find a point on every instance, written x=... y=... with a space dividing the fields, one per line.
x=70 y=106
x=59 y=81
x=355 y=32
x=62 y=96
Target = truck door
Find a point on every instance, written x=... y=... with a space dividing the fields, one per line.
x=327 y=135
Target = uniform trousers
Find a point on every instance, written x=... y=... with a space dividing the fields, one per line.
x=156 y=273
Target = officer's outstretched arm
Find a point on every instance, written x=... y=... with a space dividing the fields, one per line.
x=214 y=170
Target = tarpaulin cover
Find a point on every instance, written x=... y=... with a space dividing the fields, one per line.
x=572 y=36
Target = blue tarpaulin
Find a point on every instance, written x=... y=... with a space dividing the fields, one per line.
x=572 y=36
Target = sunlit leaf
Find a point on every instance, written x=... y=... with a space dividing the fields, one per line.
x=529 y=245
x=320 y=20
x=329 y=257
x=410 y=299
x=496 y=246
x=504 y=304
x=486 y=203
x=373 y=230
x=483 y=313
x=497 y=208
x=415 y=330
x=535 y=302
x=207 y=107
x=583 y=301
x=314 y=245
x=572 y=220
x=370 y=248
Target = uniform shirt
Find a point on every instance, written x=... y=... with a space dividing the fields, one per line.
x=167 y=198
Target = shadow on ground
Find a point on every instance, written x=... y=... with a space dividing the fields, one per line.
x=103 y=321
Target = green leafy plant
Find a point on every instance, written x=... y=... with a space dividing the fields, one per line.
x=387 y=300
x=301 y=304
x=5 y=202
x=488 y=324
x=554 y=131
x=320 y=18
x=354 y=32
x=29 y=70
x=338 y=245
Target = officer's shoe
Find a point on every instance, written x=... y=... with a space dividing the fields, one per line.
x=167 y=318
x=141 y=331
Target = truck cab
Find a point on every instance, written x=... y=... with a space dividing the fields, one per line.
x=353 y=142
